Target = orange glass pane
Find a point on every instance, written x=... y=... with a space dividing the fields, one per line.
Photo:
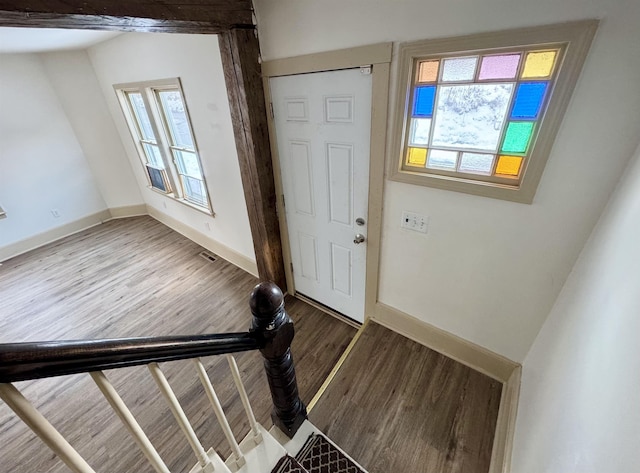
x=538 y=64
x=428 y=71
x=509 y=165
x=417 y=157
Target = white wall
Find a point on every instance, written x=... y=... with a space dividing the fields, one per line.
x=581 y=380
x=72 y=77
x=489 y=271
x=196 y=60
x=42 y=165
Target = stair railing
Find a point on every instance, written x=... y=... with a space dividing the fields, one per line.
x=271 y=333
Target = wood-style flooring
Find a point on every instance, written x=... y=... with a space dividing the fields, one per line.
x=397 y=406
x=394 y=405
x=136 y=277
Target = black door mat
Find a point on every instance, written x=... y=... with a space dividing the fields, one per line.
x=319 y=455
x=288 y=465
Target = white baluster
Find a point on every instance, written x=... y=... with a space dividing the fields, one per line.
x=222 y=419
x=181 y=418
x=43 y=429
x=257 y=436
x=129 y=421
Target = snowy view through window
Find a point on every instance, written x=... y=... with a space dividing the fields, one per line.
x=471 y=116
x=171 y=160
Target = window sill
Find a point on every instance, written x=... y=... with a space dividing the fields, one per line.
x=519 y=194
x=172 y=196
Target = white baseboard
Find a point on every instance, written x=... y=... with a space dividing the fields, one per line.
x=468 y=353
x=41 y=239
x=128 y=211
x=49 y=236
x=506 y=424
x=218 y=248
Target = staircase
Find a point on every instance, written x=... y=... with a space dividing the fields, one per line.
x=292 y=445
x=311 y=452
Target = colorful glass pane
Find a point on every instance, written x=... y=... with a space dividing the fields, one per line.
x=508 y=165
x=428 y=71
x=538 y=64
x=528 y=102
x=459 y=69
x=420 y=128
x=476 y=163
x=439 y=158
x=417 y=157
x=471 y=116
x=423 y=105
x=499 y=67
x=517 y=137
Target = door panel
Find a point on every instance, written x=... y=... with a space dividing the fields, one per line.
x=323 y=125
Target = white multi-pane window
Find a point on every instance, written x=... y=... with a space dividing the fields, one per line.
x=478 y=114
x=159 y=122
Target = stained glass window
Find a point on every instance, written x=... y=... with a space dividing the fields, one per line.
x=477 y=115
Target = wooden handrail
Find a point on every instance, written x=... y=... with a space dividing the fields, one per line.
x=23 y=361
x=271 y=332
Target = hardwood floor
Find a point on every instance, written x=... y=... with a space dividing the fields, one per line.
x=397 y=406
x=136 y=277
x=394 y=405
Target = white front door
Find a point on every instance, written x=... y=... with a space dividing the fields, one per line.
x=323 y=123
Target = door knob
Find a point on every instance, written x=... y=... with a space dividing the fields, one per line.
x=359 y=238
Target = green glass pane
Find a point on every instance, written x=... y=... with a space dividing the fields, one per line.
x=517 y=137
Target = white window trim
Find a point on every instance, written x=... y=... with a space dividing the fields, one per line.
x=148 y=91
x=575 y=37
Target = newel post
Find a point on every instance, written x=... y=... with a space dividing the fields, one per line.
x=274 y=327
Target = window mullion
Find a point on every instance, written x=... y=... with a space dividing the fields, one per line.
x=161 y=140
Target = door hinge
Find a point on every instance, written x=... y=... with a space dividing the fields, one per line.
x=271 y=109
x=283 y=202
x=291 y=264
x=366 y=70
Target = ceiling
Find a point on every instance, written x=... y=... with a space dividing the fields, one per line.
x=38 y=40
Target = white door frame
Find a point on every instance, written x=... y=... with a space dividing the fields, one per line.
x=378 y=56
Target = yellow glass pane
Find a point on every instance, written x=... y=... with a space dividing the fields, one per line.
x=417 y=157
x=428 y=71
x=509 y=165
x=538 y=64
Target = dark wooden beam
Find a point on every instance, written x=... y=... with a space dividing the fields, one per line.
x=184 y=16
x=240 y=53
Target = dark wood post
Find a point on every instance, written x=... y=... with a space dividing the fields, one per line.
x=275 y=332
x=240 y=54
